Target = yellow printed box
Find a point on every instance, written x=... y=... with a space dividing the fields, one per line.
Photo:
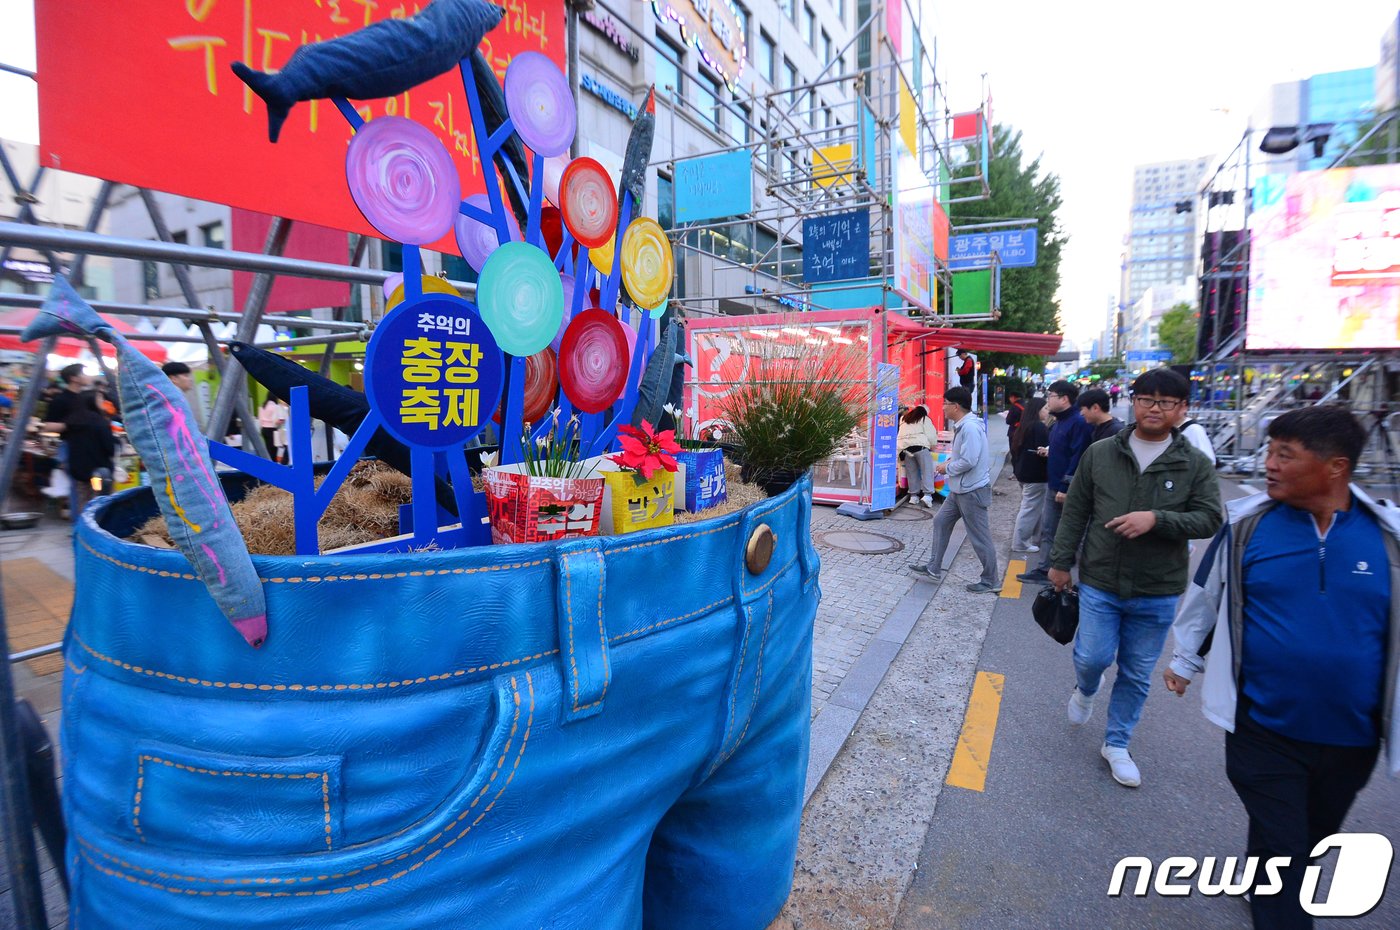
x=632 y=502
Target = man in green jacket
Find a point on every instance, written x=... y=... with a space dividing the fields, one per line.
x=1142 y=496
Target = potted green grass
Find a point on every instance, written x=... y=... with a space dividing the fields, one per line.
x=795 y=414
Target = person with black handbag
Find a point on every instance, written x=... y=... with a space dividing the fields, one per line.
x=1136 y=501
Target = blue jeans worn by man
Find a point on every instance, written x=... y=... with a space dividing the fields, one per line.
x=1131 y=629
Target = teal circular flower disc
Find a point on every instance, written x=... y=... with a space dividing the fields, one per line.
x=521 y=298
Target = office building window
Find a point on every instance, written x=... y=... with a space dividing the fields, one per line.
x=150 y=280
x=809 y=26
x=213 y=234
x=741 y=13
x=841 y=10
x=826 y=47
x=709 y=93
x=790 y=8
x=790 y=73
x=766 y=59
x=668 y=69
x=180 y=238
x=742 y=131
x=665 y=202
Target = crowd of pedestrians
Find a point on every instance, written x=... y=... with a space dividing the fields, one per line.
x=1292 y=619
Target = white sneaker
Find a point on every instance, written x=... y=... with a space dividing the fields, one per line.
x=1081 y=706
x=1125 y=771
x=928 y=501
x=1026 y=548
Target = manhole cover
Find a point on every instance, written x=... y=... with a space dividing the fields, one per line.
x=910 y=513
x=860 y=541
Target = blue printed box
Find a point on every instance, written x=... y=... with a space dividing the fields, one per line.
x=704 y=478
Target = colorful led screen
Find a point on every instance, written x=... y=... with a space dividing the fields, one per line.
x=1325 y=262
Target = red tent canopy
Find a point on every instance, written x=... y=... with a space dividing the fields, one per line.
x=20 y=317
x=903 y=329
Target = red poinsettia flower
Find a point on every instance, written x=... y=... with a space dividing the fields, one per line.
x=645 y=450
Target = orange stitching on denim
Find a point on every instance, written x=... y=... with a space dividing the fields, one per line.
x=602 y=631
x=660 y=623
x=326 y=802
x=520 y=754
x=757 y=683
x=141 y=780
x=772 y=581
x=733 y=692
x=673 y=539
x=370 y=686
x=321 y=579
x=569 y=611
x=136 y=799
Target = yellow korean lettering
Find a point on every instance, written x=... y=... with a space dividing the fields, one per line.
x=421 y=405
x=421 y=361
x=462 y=406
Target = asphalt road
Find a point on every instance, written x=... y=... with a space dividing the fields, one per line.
x=1037 y=847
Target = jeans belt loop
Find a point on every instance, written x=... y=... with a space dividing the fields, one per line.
x=583 y=635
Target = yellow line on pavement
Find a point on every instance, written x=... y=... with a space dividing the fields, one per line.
x=974 y=752
x=1010 y=587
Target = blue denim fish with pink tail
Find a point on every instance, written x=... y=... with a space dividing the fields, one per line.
x=162 y=427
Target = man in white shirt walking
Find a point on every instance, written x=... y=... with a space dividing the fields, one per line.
x=969 y=471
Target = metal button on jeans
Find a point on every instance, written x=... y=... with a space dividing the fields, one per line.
x=760 y=548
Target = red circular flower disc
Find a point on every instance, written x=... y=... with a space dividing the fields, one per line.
x=541 y=384
x=589 y=202
x=593 y=361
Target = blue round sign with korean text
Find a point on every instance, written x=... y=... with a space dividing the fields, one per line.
x=433 y=372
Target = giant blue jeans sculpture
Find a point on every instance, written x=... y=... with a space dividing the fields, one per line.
x=604 y=733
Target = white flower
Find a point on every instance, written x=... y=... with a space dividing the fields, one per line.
x=489 y=459
x=542 y=442
x=671 y=409
x=717 y=433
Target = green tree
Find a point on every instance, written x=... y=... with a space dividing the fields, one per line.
x=1177 y=332
x=1106 y=368
x=1019 y=191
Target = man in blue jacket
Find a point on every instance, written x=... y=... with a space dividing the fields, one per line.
x=1297 y=602
x=1070 y=435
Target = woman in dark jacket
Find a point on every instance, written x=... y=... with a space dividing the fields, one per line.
x=91 y=446
x=1028 y=464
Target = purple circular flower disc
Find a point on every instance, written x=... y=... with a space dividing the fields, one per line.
x=540 y=105
x=476 y=240
x=403 y=180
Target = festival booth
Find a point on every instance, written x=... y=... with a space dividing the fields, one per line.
x=512 y=711
x=903 y=360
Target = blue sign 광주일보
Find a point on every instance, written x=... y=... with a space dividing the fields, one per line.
x=1015 y=248
x=836 y=247
x=433 y=372
x=884 y=459
x=714 y=186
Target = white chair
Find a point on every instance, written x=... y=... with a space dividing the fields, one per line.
x=852 y=452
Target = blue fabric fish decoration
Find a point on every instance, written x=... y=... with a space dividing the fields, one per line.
x=634 y=163
x=161 y=426
x=381 y=60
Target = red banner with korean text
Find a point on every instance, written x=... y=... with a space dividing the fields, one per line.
x=308 y=241
x=140 y=92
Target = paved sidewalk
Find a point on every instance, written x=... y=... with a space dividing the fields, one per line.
x=869 y=606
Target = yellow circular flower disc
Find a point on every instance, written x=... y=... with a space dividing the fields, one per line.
x=646 y=262
x=432 y=284
x=602 y=257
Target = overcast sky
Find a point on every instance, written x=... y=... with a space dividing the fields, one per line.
x=1095 y=87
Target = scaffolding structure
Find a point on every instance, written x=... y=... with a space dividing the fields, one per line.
x=791 y=134
x=1240 y=391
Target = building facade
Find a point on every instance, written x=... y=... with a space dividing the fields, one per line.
x=1161 y=241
